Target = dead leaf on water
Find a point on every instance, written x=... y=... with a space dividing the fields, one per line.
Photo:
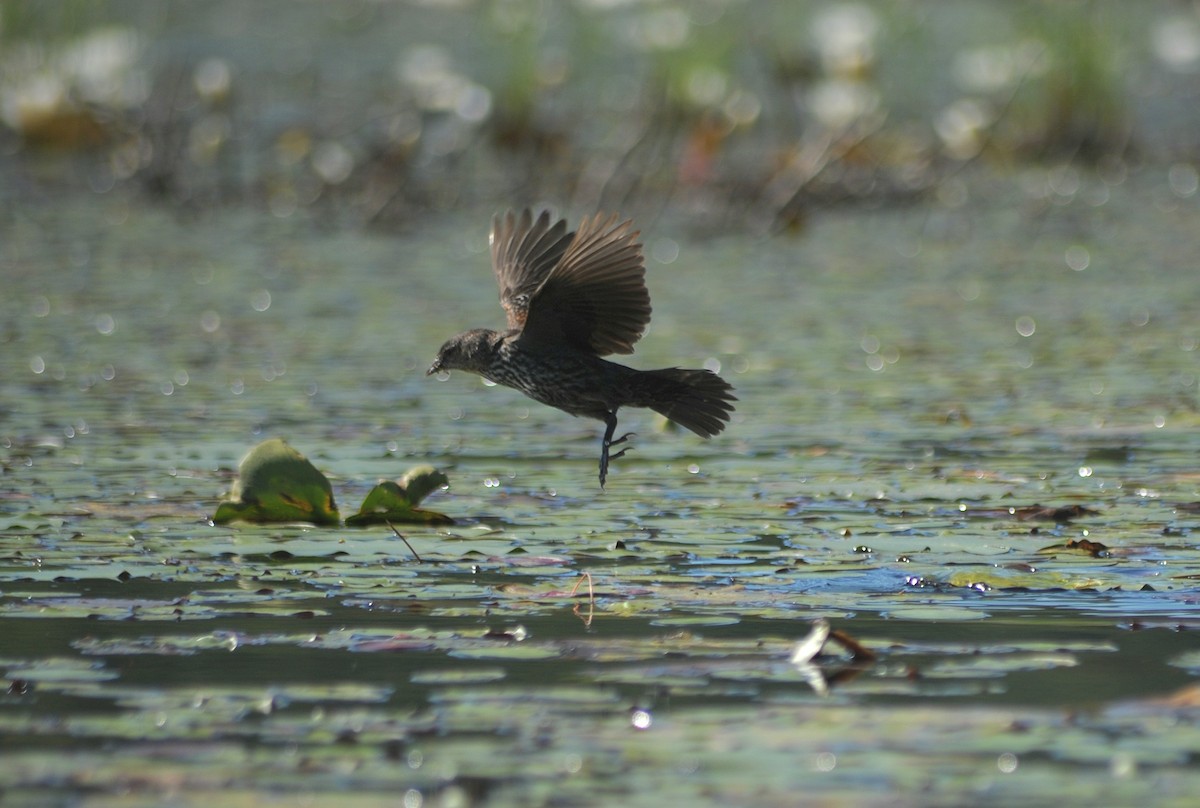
x=1029 y=513
x=1077 y=547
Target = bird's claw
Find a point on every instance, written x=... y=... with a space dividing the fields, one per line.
x=605 y=457
x=622 y=439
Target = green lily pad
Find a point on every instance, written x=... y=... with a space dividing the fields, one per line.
x=396 y=501
x=278 y=484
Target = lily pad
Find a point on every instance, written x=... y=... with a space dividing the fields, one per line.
x=396 y=501
x=278 y=484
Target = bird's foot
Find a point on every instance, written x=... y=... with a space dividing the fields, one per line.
x=622 y=439
x=605 y=456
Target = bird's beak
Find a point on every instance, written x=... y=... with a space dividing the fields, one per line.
x=434 y=368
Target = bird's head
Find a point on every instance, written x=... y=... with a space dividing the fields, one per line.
x=471 y=350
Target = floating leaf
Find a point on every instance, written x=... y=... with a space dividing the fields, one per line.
x=457 y=676
x=421 y=481
x=697 y=620
x=278 y=484
x=396 y=501
x=57 y=670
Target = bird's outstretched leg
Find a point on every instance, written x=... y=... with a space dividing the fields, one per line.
x=610 y=426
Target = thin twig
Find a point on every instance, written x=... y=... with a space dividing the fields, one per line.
x=587 y=621
x=400 y=536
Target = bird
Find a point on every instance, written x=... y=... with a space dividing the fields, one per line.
x=572 y=298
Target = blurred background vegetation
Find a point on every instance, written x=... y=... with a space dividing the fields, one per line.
x=742 y=113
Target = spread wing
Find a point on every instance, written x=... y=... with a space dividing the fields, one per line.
x=523 y=254
x=594 y=298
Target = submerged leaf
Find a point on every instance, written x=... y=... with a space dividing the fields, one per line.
x=278 y=484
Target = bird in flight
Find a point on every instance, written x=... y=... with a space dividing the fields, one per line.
x=572 y=298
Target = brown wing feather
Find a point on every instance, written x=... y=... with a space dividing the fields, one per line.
x=524 y=252
x=595 y=297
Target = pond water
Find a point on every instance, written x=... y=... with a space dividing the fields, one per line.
x=911 y=383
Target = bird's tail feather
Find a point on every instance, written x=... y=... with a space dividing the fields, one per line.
x=698 y=400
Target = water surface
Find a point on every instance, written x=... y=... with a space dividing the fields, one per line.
x=906 y=377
